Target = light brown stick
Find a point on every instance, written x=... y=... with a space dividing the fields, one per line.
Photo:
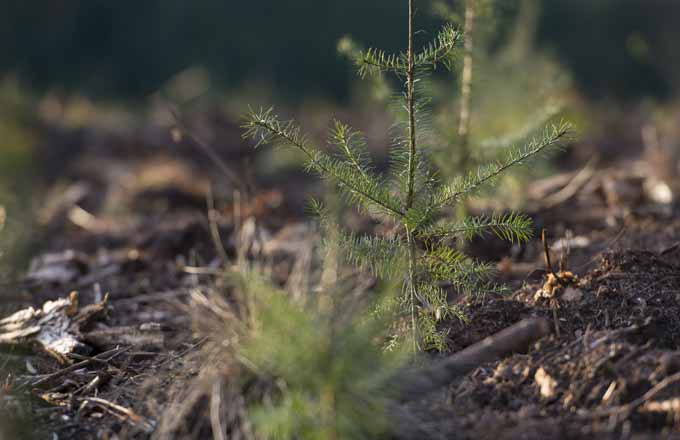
x=466 y=81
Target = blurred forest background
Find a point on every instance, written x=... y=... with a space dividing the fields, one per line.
x=86 y=87
x=128 y=49
x=70 y=68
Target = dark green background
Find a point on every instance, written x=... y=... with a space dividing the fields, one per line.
x=126 y=49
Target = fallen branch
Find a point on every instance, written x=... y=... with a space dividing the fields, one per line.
x=418 y=383
x=102 y=357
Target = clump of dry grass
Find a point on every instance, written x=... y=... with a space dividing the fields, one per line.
x=282 y=364
x=216 y=399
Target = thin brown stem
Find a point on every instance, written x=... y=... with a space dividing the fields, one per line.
x=410 y=97
x=411 y=110
x=412 y=286
x=466 y=81
x=548 y=263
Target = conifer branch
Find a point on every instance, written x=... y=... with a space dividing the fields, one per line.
x=375 y=61
x=447 y=264
x=353 y=147
x=265 y=127
x=383 y=257
x=488 y=173
x=509 y=227
x=439 y=50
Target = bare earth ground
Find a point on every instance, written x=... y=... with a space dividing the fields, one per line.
x=132 y=214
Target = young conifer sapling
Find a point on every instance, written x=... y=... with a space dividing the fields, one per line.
x=411 y=194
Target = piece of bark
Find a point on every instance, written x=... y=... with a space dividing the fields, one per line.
x=417 y=383
x=55 y=328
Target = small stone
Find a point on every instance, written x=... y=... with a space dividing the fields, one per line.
x=546 y=382
x=572 y=294
x=658 y=191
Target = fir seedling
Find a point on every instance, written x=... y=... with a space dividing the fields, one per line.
x=277 y=365
x=330 y=377
x=411 y=195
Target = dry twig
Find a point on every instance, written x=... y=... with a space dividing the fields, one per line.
x=100 y=357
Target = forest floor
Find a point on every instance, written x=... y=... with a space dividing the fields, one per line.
x=126 y=215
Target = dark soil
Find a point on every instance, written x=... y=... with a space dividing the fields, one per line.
x=608 y=371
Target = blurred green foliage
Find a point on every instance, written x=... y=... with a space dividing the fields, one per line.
x=129 y=49
x=132 y=47
x=18 y=137
x=330 y=383
x=620 y=48
x=515 y=90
